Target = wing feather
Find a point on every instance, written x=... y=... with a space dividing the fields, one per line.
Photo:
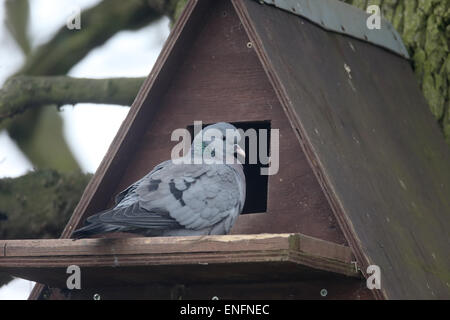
x=175 y=196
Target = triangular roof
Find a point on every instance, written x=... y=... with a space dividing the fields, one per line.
x=363 y=124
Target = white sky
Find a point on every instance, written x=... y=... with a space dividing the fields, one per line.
x=88 y=128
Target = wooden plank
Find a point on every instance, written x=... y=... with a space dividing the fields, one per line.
x=262 y=244
x=154 y=245
x=194 y=259
x=372 y=142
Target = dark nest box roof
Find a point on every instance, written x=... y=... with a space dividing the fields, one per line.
x=358 y=144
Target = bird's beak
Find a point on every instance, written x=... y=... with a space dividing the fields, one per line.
x=240 y=151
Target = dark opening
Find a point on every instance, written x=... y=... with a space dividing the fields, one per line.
x=256 y=183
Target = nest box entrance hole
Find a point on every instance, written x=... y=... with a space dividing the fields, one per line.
x=256 y=183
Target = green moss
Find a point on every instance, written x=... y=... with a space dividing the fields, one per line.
x=398 y=18
x=433 y=95
x=388 y=9
x=419 y=61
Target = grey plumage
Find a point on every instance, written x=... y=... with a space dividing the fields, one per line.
x=178 y=198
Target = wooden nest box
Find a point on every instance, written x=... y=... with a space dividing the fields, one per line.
x=363 y=169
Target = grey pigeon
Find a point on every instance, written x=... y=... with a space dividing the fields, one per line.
x=181 y=199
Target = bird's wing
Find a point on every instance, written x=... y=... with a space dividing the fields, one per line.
x=130 y=190
x=133 y=216
x=178 y=196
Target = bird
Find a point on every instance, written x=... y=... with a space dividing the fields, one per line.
x=183 y=197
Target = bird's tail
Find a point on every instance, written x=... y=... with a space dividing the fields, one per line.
x=93 y=229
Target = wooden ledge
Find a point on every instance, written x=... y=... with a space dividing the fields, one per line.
x=115 y=261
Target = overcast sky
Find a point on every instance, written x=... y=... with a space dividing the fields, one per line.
x=88 y=128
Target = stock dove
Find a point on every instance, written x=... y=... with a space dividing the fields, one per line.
x=181 y=199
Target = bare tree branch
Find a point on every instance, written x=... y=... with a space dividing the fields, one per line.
x=98 y=24
x=26 y=92
x=39 y=131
